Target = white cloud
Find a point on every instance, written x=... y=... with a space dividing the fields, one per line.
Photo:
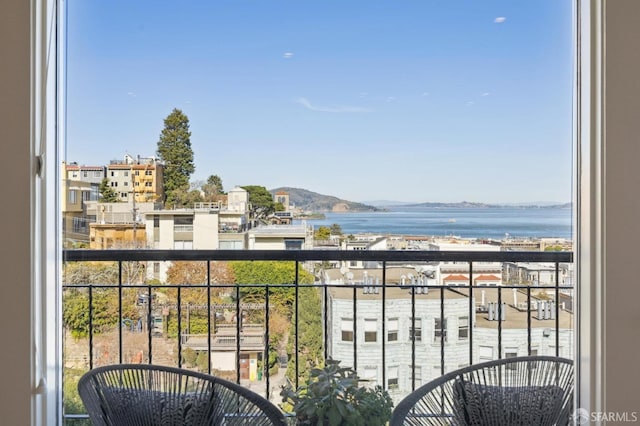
x=364 y=94
x=499 y=20
x=340 y=108
x=287 y=55
x=132 y=94
x=391 y=99
x=425 y=94
x=486 y=94
x=469 y=103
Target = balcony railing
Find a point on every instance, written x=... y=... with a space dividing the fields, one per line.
x=379 y=320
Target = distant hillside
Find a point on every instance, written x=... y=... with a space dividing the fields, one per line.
x=312 y=201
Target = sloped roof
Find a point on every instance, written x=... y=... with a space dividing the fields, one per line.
x=455 y=278
x=488 y=278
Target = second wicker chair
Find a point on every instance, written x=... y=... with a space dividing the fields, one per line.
x=524 y=391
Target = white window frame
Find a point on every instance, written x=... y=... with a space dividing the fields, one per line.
x=46 y=26
x=417 y=331
x=346 y=326
x=370 y=326
x=463 y=327
x=393 y=377
x=438 y=331
x=392 y=329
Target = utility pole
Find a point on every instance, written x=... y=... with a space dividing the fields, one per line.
x=134 y=209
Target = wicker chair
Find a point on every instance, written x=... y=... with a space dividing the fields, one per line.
x=149 y=395
x=535 y=390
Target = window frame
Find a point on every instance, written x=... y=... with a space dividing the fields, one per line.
x=46 y=101
x=370 y=334
x=348 y=337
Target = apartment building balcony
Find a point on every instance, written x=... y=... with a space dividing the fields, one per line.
x=397 y=328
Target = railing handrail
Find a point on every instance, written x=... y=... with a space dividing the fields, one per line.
x=318 y=255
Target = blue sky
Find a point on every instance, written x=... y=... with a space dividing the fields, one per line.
x=406 y=100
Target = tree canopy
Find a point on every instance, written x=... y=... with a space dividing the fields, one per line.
x=104 y=308
x=309 y=335
x=322 y=233
x=274 y=273
x=213 y=187
x=174 y=149
x=261 y=200
x=107 y=194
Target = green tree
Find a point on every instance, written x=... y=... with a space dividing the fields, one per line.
x=104 y=296
x=107 y=194
x=274 y=273
x=194 y=301
x=183 y=198
x=174 y=149
x=322 y=233
x=212 y=188
x=335 y=229
x=309 y=335
x=261 y=200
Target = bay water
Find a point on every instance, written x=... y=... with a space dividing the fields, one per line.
x=468 y=222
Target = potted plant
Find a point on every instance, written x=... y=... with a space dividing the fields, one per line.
x=332 y=397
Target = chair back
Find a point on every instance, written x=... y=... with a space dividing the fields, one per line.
x=536 y=390
x=149 y=395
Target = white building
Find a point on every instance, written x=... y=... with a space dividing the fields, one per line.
x=365 y=242
x=363 y=333
x=281 y=237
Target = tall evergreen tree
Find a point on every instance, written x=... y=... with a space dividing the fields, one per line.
x=107 y=194
x=174 y=149
x=213 y=188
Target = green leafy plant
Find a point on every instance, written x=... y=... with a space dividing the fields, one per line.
x=332 y=397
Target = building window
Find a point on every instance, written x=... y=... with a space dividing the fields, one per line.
x=369 y=375
x=415 y=375
x=440 y=330
x=511 y=353
x=231 y=245
x=463 y=328
x=293 y=244
x=417 y=332
x=73 y=197
x=183 y=245
x=126 y=183
x=392 y=330
x=137 y=173
x=392 y=377
x=79 y=225
x=126 y=173
x=485 y=353
x=149 y=184
x=114 y=183
x=347 y=329
x=137 y=184
x=148 y=172
x=124 y=195
x=114 y=173
x=370 y=330
x=183 y=224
